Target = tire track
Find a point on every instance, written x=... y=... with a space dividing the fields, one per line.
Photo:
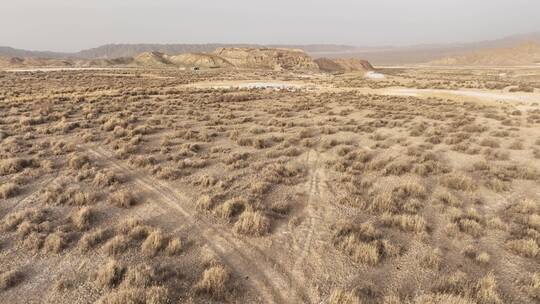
x=266 y=277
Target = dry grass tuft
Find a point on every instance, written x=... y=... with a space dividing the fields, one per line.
x=524 y=247
x=174 y=246
x=117 y=245
x=363 y=243
x=9 y=190
x=532 y=287
x=214 y=281
x=486 y=290
x=55 y=242
x=10 y=279
x=155 y=242
x=406 y=222
x=110 y=274
x=253 y=223
x=83 y=218
x=76 y=161
x=13 y=165
x=339 y=296
x=458 y=181
x=91 y=239
x=122 y=198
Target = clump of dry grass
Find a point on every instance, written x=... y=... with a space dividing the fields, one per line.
x=77 y=161
x=110 y=274
x=82 y=218
x=432 y=259
x=363 y=243
x=9 y=190
x=10 y=279
x=231 y=208
x=486 y=290
x=205 y=203
x=469 y=222
x=446 y=197
x=117 y=245
x=122 y=198
x=458 y=181
x=490 y=142
x=91 y=239
x=253 y=223
x=524 y=247
x=13 y=165
x=55 y=242
x=106 y=179
x=340 y=296
x=174 y=246
x=155 y=242
x=441 y=298
x=532 y=287
x=406 y=222
x=214 y=281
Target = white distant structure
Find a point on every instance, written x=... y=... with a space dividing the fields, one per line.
x=374 y=75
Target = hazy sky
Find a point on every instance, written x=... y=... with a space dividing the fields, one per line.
x=71 y=25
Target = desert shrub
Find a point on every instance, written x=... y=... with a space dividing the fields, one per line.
x=490 y=142
x=155 y=242
x=8 y=190
x=110 y=274
x=13 y=165
x=231 y=208
x=214 y=281
x=442 y=298
x=253 y=223
x=532 y=287
x=405 y=222
x=486 y=290
x=34 y=241
x=469 y=222
x=516 y=145
x=31 y=215
x=117 y=245
x=524 y=247
x=10 y=279
x=106 y=179
x=458 y=181
x=398 y=167
x=174 y=246
x=339 y=296
x=483 y=258
x=55 y=242
x=122 y=198
x=82 y=218
x=91 y=239
x=431 y=259
x=152 y=295
x=205 y=202
x=446 y=197
x=78 y=161
x=363 y=243
x=82 y=198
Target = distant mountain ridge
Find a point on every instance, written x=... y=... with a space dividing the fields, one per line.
x=522 y=54
x=110 y=51
x=377 y=55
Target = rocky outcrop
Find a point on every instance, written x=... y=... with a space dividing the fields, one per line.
x=342 y=65
x=151 y=59
x=200 y=60
x=268 y=59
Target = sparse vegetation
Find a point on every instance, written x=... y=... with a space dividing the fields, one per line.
x=321 y=193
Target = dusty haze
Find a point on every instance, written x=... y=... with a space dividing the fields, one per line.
x=63 y=25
